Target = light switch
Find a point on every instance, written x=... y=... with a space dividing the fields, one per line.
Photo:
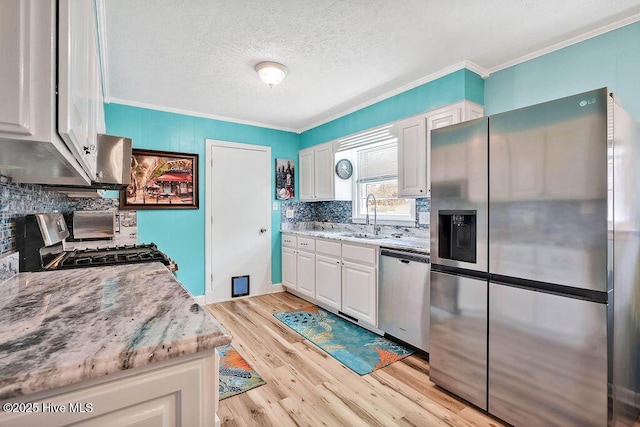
x=423 y=218
x=289 y=213
x=275 y=206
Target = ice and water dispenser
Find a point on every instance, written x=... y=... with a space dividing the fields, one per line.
x=457 y=235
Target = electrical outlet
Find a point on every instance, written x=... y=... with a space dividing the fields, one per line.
x=289 y=213
x=275 y=206
x=423 y=218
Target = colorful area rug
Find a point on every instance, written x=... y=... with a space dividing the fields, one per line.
x=236 y=375
x=358 y=349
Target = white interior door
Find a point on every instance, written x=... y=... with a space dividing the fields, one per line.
x=239 y=217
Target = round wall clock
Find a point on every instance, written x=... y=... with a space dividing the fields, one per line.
x=344 y=168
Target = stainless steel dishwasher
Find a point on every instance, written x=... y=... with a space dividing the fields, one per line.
x=403 y=296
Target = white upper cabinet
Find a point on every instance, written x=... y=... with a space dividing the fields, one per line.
x=101 y=126
x=19 y=77
x=317 y=180
x=78 y=79
x=412 y=157
x=35 y=58
x=414 y=147
x=324 y=172
x=307 y=174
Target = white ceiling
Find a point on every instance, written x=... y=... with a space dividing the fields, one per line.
x=198 y=56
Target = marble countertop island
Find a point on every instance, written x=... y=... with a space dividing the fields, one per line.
x=62 y=327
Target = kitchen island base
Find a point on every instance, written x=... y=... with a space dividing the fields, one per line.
x=176 y=392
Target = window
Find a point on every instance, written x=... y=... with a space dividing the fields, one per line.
x=375 y=155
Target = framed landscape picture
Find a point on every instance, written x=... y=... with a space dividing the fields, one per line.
x=161 y=180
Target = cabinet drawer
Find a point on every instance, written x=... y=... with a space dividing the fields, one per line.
x=328 y=247
x=361 y=254
x=306 y=244
x=289 y=240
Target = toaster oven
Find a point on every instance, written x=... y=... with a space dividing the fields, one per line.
x=94 y=225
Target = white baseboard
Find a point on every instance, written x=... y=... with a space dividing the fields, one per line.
x=278 y=287
x=200 y=299
x=210 y=299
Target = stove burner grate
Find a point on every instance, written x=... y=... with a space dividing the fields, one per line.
x=125 y=254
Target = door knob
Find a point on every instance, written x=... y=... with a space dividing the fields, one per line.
x=263 y=230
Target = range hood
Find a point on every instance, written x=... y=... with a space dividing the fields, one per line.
x=113 y=166
x=113 y=169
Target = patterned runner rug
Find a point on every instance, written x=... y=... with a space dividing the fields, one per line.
x=236 y=375
x=358 y=349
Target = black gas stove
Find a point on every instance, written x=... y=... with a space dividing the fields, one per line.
x=41 y=239
x=127 y=254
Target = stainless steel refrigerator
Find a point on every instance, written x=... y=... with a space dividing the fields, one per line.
x=535 y=251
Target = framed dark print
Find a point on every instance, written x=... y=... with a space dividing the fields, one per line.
x=344 y=168
x=285 y=179
x=161 y=180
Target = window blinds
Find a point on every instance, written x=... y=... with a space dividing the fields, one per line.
x=377 y=163
x=377 y=151
x=368 y=137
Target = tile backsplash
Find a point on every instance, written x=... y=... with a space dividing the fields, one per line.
x=334 y=212
x=8 y=266
x=22 y=199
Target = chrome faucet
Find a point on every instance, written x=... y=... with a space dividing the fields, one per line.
x=375 y=214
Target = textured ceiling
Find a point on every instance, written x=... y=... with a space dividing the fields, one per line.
x=199 y=55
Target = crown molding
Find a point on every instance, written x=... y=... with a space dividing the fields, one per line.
x=111 y=100
x=431 y=77
x=481 y=71
x=574 y=40
x=472 y=66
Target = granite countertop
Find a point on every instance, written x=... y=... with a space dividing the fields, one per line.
x=62 y=327
x=403 y=242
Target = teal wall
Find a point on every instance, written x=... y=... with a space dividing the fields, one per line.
x=611 y=59
x=181 y=233
x=462 y=84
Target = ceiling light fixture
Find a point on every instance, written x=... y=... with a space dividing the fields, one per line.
x=271 y=73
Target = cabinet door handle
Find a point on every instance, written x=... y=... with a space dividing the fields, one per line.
x=263 y=230
x=422 y=191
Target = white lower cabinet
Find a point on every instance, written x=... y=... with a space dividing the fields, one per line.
x=342 y=277
x=179 y=394
x=329 y=281
x=289 y=267
x=359 y=292
x=306 y=277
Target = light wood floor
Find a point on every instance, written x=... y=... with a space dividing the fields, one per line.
x=307 y=387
